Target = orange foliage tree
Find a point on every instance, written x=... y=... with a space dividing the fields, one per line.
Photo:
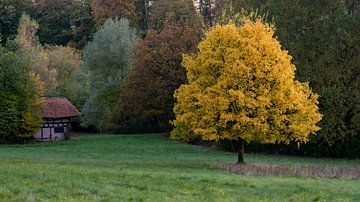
x=242 y=87
x=146 y=96
x=104 y=9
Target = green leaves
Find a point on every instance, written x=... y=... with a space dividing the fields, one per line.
x=108 y=59
x=20 y=94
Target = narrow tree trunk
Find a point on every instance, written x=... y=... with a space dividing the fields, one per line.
x=241 y=152
x=145 y=23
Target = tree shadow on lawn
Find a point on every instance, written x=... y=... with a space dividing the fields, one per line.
x=292 y=171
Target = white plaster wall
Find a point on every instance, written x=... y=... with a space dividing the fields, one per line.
x=46 y=134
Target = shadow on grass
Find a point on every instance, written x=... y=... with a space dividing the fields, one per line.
x=292 y=171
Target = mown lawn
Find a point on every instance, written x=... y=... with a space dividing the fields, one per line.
x=153 y=168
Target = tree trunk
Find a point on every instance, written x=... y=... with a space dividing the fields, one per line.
x=145 y=22
x=241 y=152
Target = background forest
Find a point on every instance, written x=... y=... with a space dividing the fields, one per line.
x=120 y=62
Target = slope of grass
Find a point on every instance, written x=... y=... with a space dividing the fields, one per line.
x=152 y=168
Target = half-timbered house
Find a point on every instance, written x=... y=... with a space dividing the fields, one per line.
x=56 y=113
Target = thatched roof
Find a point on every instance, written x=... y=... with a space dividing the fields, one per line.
x=59 y=108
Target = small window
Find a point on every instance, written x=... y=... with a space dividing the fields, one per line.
x=59 y=130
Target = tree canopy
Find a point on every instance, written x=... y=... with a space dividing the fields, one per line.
x=105 y=9
x=146 y=98
x=21 y=93
x=241 y=87
x=11 y=11
x=107 y=58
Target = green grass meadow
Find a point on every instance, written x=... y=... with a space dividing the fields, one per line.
x=153 y=168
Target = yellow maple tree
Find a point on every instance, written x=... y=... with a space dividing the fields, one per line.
x=242 y=87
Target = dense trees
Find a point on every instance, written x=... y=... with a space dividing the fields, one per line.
x=241 y=87
x=180 y=12
x=31 y=46
x=143 y=107
x=82 y=24
x=104 y=9
x=142 y=10
x=20 y=97
x=54 y=19
x=10 y=13
x=28 y=72
x=107 y=58
x=333 y=71
x=322 y=36
x=71 y=80
x=146 y=97
x=64 y=21
x=58 y=67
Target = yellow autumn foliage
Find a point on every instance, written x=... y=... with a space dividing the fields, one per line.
x=32 y=119
x=242 y=87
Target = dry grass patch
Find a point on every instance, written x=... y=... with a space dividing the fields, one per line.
x=293 y=171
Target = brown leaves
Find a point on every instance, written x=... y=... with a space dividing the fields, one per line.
x=146 y=97
x=104 y=9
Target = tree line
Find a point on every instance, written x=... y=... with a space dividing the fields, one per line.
x=120 y=62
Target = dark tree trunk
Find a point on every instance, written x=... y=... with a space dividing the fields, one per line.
x=145 y=22
x=241 y=152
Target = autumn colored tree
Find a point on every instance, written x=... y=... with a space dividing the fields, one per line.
x=30 y=44
x=327 y=59
x=67 y=63
x=58 y=67
x=242 y=87
x=179 y=12
x=146 y=97
x=105 y=9
x=21 y=93
x=11 y=11
x=323 y=38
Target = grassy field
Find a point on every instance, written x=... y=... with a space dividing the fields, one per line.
x=153 y=168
